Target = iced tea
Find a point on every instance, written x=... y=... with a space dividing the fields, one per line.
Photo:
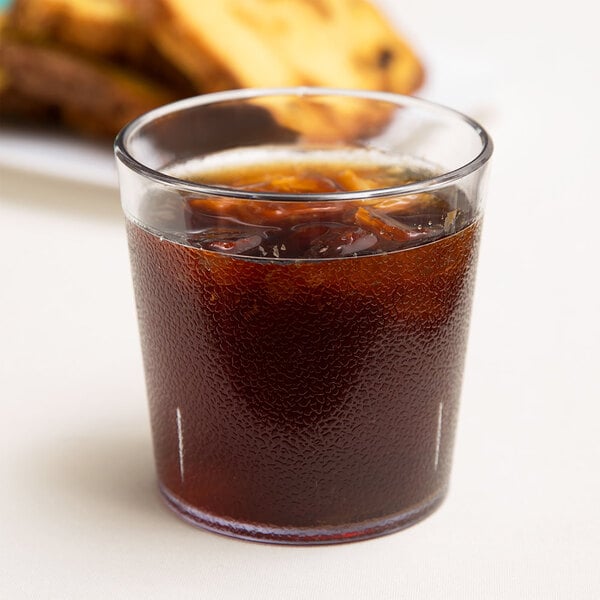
x=304 y=358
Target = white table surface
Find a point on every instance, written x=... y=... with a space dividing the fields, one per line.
x=79 y=513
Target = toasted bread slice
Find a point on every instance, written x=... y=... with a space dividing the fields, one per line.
x=103 y=28
x=272 y=43
x=21 y=108
x=285 y=43
x=81 y=88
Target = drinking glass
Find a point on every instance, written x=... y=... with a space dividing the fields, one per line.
x=303 y=343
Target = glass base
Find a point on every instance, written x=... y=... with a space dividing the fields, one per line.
x=272 y=534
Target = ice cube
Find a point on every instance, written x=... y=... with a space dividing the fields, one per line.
x=262 y=213
x=414 y=205
x=450 y=221
x=294 y=184
x=352 y=182
x=389 y=229
x=228 y=241
x=331 y=240
x=239 y=246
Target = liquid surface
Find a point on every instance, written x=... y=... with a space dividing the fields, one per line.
x=309 y=229
x=293 y=395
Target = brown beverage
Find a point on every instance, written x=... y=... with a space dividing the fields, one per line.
x=303 y=360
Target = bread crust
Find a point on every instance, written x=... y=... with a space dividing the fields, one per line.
x=79 y=87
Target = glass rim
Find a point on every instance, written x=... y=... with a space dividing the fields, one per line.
x=426 y=185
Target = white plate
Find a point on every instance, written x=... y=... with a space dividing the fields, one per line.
x=456 y=80
x=56 y=154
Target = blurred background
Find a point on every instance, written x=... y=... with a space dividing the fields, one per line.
x=80 y=514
